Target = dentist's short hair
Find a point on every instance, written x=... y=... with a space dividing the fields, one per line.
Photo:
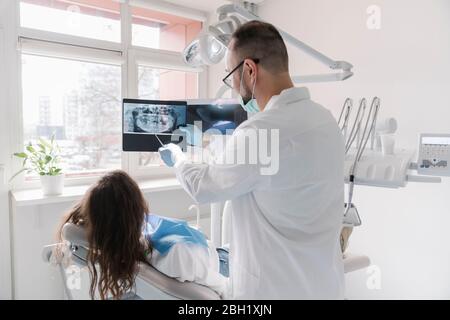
x=261 y=40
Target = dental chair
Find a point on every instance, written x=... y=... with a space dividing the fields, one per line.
x=149 y=284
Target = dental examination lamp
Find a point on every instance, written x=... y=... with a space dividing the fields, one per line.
x=210 y=47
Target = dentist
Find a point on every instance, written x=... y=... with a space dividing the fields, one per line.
x=285 y=222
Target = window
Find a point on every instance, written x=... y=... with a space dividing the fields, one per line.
x=80 y=104
x=96 y=19
x=153 y=29
x=80 y=58
x=163 y=84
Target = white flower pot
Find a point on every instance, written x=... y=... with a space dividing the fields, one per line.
x=52 y=185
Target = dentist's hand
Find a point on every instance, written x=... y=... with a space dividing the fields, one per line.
x=171 y=154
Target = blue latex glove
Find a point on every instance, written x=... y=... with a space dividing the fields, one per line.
x=171 y=154
x=193 y=135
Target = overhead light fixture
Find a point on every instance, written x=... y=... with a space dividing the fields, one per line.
x=210 y=47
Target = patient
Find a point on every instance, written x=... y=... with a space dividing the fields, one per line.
x=121 y=234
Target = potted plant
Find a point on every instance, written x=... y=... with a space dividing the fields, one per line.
x=43 y=158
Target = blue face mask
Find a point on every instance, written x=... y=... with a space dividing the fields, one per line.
x=251 y=105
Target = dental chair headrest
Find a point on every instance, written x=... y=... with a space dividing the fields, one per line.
x=76 y=235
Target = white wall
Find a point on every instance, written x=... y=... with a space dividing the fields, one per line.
x=407 y=64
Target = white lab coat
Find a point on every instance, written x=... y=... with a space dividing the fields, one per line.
x=285 y=227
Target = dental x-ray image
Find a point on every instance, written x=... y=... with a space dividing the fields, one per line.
x=148 y=124
x=153 y=118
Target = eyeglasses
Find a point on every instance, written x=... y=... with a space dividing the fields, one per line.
x=228 y=81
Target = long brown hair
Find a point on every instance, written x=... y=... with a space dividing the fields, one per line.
x=113 y=213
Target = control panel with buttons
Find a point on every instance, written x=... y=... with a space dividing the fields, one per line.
x=434 y=154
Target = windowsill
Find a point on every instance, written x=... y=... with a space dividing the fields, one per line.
x=31 y=197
